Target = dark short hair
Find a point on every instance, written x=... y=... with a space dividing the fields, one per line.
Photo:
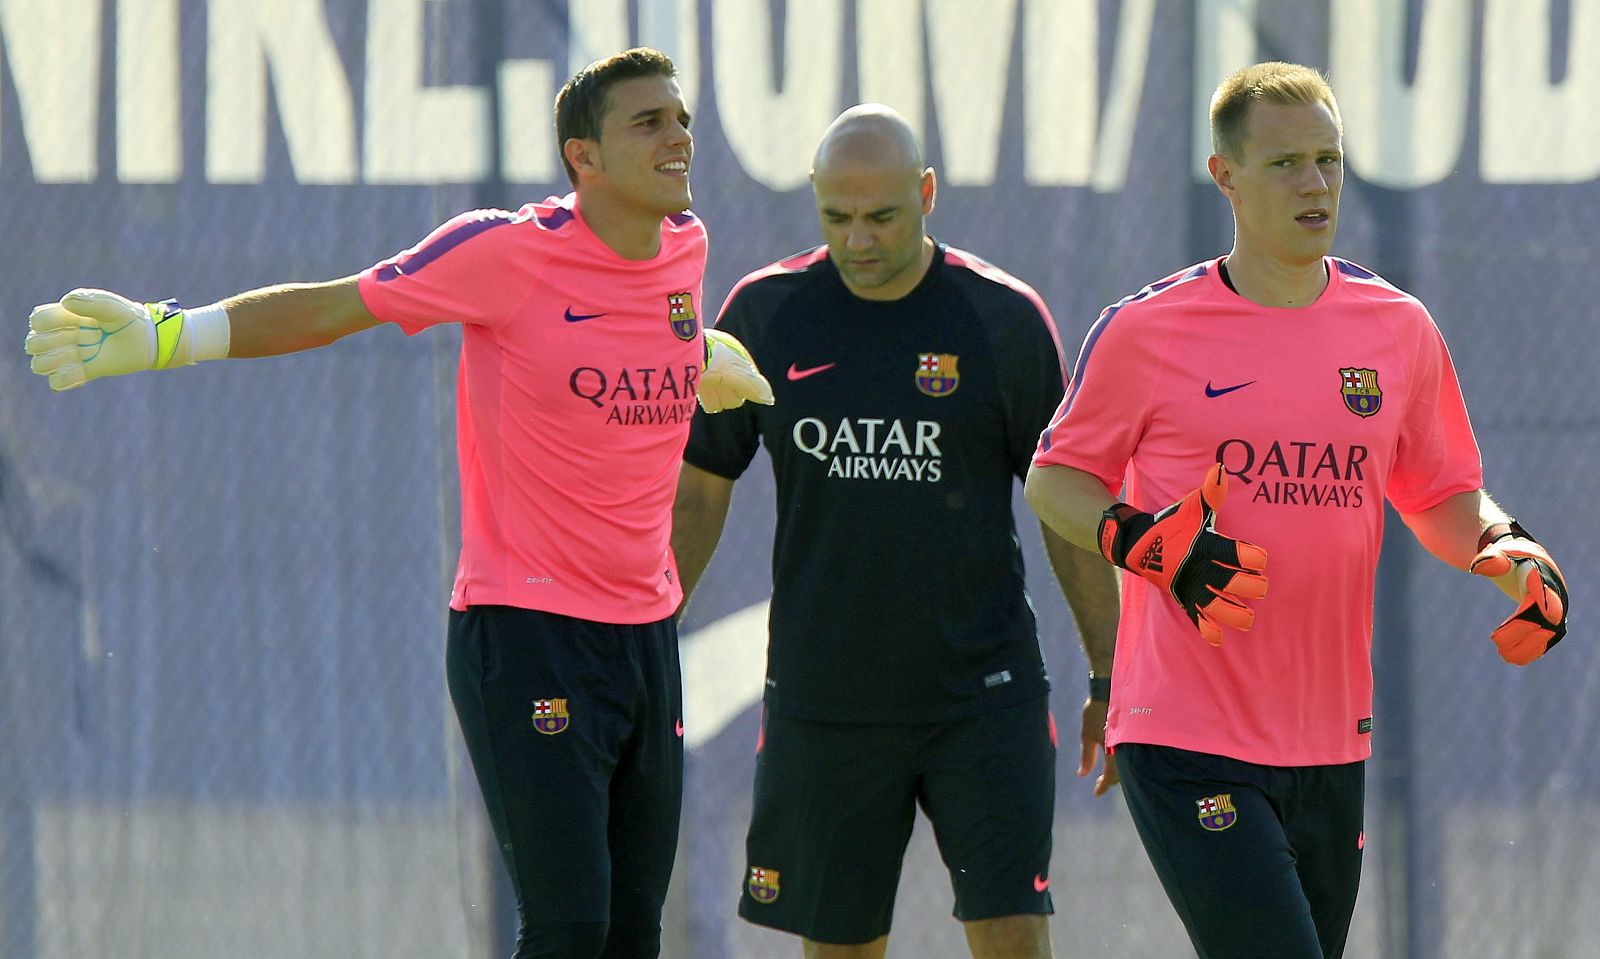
x=581 y=104
x=1272 y=82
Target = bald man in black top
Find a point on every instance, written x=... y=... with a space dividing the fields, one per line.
x=904 y=665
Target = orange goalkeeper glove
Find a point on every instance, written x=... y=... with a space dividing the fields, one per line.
x=1541 y=617
x=1180 y=551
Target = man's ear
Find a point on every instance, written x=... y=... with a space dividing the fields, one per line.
x=583 y=154
x=1221 y=169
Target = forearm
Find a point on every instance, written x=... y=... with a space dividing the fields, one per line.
x=698 y=515
x=1089 y=584
x=1450 y=531
x=293 y=317
x=1070 y=502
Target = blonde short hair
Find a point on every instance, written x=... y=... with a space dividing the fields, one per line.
x=1273 y=82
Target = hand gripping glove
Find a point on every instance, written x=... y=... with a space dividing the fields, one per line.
x=1541 y=617
x=1180 y=551
x=729 y=376
x=95 y=333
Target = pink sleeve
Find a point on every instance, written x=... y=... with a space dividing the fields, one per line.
x=1437 y=455
x=465 y=271
x=1100 y=420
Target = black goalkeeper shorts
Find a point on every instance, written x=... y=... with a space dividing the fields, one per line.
x=835 y=804
x=575 y=733
x=1257 y=860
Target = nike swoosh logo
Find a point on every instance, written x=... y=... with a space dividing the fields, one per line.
x=580 y=317
x=680 y=727
x=1213 y=393
x=796 y=373
x=1040 y=883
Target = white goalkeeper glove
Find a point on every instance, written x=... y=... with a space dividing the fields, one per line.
x=95 y=333
x=729 y=376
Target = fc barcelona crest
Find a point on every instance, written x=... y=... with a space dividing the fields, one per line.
x=936 y=373
x=550 y=716
x=763 y=884
x=680 y=313
x=1360 y=388
x=1217 y=812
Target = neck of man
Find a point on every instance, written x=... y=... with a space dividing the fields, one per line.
x=634 y=234
x=1275 y=280
x=902 y=285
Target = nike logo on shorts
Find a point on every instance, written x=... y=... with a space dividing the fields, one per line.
x=796 y=373
x=1040 y=883
x=1214 y=393
x=580 y=317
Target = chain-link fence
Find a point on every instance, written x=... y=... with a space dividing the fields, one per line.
x=223 y=726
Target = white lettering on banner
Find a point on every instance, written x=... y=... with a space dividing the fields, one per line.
x=1401 y=135
x=1536 y=131
x=969 y=51
x=247 y=40
x=149 y=132
x=528 y=152
x=673 y=27
x=1122 y=99
x=1060 y=91
x=416 y=133
x=1076 y=131
x=57 y=94
x=595 y=29
x=599 y=28
x=890 y=67
x=773 y=130
x=1225 y=41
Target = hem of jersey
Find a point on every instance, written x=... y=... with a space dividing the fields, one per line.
x=1258 y=757
x=812 y=713
x=637 y=615
x=367 y=288
x=1429 y=502
x=699 y=460
x=1048 y=458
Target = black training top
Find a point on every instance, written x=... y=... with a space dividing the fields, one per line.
x=899 y=427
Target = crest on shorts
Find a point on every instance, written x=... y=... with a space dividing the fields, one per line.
x=550 y=716
x=936 y=373
x=763 y=884
x=680 y=314
x=1360 y=388
x=1217 y=812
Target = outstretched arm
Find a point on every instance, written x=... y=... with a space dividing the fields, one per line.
x=94 y=333
x=698 y=515
x=1090 y=588
x=295 y=317
x=1470 y=531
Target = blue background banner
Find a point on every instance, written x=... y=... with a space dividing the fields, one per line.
x=223 y=726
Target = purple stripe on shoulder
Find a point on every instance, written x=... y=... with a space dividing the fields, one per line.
x=556 y=219
x=1350 y=269
x=439 y=247
x=1105 y=321
x=680 y=219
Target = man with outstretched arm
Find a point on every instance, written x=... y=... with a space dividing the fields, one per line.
x=581 y=364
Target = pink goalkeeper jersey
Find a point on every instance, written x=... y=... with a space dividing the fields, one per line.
x=1317 y=414
x=574 y=396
